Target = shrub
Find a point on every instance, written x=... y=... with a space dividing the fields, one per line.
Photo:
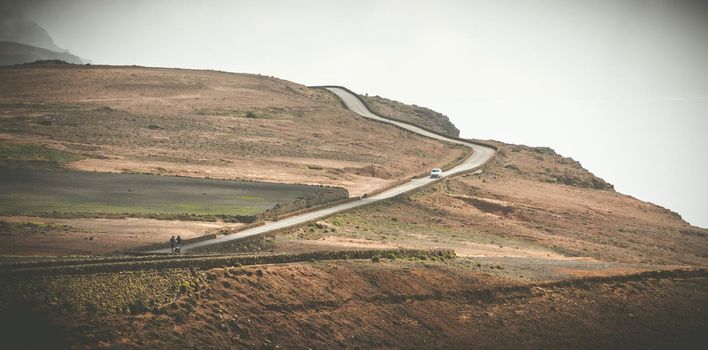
x=138 y=306
x=179 y=316
x=91 y=308
x=208 y=262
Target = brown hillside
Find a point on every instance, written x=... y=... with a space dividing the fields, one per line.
x=207 y=124
x=547 y=255
x=390 y=304
x=413 y=114
x=527 y=202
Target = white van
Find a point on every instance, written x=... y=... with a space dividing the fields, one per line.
x=436 y=173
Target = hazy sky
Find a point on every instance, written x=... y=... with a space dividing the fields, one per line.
x=621 y=86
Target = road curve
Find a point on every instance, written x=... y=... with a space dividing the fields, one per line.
x=481 y=155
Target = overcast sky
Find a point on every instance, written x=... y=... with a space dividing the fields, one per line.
x=621 y=86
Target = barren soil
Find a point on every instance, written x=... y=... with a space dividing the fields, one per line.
x=55 y=236
x=207 y=124
x=528 y=202
x=549 y=255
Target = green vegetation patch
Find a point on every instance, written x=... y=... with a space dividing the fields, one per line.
x=34 y=157
x=126 y=292
x=25 y=228
x=266 y=113
x=142 y=284
x=84 y=194
x=37 y=106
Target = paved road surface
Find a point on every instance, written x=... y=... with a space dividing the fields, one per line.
x=480 y=156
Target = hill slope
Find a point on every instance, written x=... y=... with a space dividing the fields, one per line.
x=27 y=32
x=526 y=203
x=207 y=124
x=15 y=53
x=548 y=254
x=413 y=114
x=395 y=303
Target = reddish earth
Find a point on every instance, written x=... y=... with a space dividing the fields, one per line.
x=549 y=255
x=526 y=203
x=99 y=236
x=207 y=124
x=399 y=304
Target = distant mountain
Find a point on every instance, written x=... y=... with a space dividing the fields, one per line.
x=27 y=32
x=24 y=41
x=15 y=53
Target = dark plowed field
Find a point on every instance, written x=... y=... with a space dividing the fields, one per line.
x=31 y=192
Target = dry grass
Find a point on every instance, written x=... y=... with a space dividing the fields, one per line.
x=516 y=209
x=206 y=124
x=391 y=304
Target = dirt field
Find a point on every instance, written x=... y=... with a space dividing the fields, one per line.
x=206 y=124
x=33 y=236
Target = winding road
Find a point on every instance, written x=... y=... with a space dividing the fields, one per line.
x=481 y=154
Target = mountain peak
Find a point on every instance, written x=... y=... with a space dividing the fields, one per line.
x=27 y=32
